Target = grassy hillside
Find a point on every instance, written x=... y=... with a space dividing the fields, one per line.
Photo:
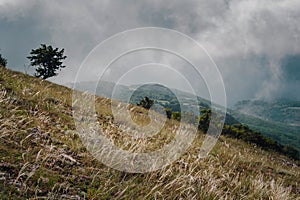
x=41 y=156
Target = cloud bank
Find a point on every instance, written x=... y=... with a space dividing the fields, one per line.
x=256 y=44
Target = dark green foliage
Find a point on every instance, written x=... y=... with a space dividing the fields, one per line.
x=47 y=59
x=3 y=61
x=291 y=152
x=176 y=116
x=244 y=133
x=204 y=120
x=146 y=103
x=168 y=112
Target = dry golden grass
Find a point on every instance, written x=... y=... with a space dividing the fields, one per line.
x=42 y=155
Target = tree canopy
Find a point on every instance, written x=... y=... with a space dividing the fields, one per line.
x=3 y=61
x=47 y=60
x=146 y=102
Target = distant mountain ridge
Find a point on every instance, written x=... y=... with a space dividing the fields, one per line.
x=278 y=120
x=287 y=112
x=162 y=95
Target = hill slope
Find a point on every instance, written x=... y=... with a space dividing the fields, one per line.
x=277 y=120
x=43 y=157
x=160 y=94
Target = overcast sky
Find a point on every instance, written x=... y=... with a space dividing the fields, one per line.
x=255 y=44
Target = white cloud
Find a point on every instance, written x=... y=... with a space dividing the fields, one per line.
x=243 y=36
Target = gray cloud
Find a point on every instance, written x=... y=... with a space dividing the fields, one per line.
x=249 y=40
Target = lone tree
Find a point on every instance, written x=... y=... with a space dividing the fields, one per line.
x=146 y=103
x=204 y=120
x=48 y=60
x=3 y=61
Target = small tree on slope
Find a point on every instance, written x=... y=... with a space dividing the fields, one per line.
x=48 y=60
x=3 y=61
